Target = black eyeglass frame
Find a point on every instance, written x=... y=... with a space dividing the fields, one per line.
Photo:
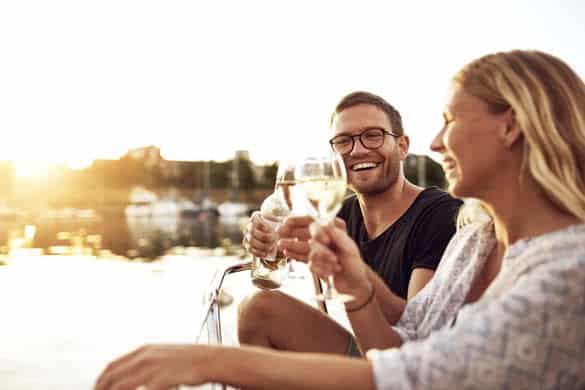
x=353 y=137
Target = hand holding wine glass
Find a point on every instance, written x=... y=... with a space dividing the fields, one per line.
x=269 y=264
x=334 y=252
x=260 y=239
x=323 y=181
x=293 y=235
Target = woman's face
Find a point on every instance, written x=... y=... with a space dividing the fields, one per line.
x=473 y=153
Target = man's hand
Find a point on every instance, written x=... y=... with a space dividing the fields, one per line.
x=259 y=239
x=155 y=367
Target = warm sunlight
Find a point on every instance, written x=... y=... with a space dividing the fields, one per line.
x=31 y=168
x=78 y=162
x=40 y=168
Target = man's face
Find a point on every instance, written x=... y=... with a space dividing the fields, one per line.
x=370 y=171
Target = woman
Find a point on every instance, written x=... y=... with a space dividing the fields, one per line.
x=507 y=305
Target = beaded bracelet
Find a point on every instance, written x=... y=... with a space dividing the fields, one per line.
x=366 y=303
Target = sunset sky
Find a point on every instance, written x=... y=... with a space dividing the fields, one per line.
x=81 y=80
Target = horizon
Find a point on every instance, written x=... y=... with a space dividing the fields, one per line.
x=40 y=169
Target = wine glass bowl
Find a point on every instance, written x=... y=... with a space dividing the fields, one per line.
x=286 y=186
x=286 y=180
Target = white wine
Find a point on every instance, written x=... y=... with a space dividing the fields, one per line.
x=266 y=274
x=273 y=265
x=325 y=194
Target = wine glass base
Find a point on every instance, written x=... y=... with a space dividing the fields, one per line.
x=293 y=271
x=339 y=297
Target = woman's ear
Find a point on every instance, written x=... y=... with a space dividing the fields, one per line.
x=511 y=132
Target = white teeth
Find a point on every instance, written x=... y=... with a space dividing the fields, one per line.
x=366 y=165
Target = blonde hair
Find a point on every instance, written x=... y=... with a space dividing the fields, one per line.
x=548 y=100
x=471 y=211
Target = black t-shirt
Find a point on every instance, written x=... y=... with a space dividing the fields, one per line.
x=416 y=240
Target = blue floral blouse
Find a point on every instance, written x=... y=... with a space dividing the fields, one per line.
x=527 y=331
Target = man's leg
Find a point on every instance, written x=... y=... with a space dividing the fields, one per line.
x=276 y=320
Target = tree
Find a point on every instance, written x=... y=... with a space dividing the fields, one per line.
x=432 y=171
x=269 y=175
x=435 y=174
x=220 y=174
x=246 y=177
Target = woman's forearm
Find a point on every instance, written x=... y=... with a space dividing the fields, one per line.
x=373 y=313
x=392 y=305
x=371 y=328
x=259 y=368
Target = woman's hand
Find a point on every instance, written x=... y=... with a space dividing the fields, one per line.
x=334 y=252
x=259 y=239
x=155 y=367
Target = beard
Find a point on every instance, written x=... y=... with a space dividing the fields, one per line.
x=377 y=185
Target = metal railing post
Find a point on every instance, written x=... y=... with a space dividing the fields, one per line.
x=211 y=316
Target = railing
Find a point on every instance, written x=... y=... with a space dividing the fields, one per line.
x=211 y=315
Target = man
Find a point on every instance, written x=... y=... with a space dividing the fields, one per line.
x=401 y=230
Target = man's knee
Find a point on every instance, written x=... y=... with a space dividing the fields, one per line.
x=276 y=320
x=257 y=314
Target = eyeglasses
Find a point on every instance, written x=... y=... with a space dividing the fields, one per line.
x=372 y=138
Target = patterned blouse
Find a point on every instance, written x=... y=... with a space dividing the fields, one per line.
x=527 y=331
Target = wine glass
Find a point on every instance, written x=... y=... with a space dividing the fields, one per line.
x=285 y=183
x=323 y=181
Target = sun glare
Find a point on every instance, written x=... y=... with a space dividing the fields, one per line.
x=38 y=168
x=27 y=168
x=79 y=163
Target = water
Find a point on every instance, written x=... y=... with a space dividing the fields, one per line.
x=123 y=233
x=63 y=318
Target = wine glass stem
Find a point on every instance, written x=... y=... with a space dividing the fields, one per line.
x=330 y=290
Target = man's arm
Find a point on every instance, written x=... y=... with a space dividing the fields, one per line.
x=391 y=304
x=418 y=279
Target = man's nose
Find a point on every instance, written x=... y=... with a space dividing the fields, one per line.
x=358 y=147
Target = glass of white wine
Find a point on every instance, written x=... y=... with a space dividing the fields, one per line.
x=323 y=181
x=286 y=184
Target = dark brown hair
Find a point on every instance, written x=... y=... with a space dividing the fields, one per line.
x=361 y=97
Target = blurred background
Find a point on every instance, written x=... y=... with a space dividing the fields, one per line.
x=141 y=205
x=134 y=128
x=139 y=135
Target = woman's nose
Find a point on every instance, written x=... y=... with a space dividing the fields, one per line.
x=438 y=145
